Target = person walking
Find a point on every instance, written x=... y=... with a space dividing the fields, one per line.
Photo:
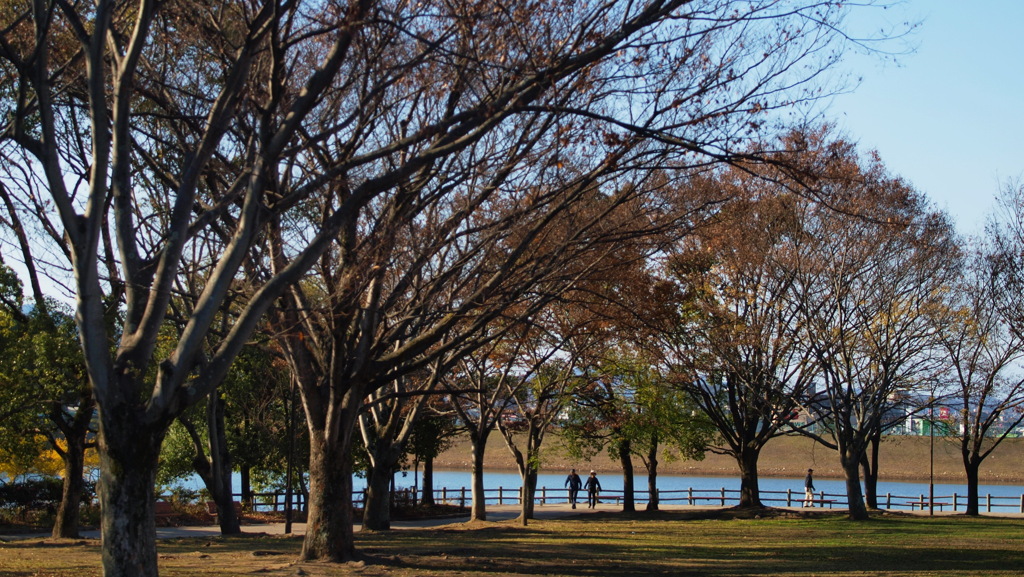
x=574 y=483
x=593 y=488
x=809 y=488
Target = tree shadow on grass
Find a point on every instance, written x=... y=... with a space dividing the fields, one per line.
x=705 y=543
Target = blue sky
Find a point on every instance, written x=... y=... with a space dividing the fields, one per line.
x=949 y=116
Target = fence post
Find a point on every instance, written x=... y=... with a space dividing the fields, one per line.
x=1022 y=503
x=988 y=502
x=954 y=501
x=789 y=497
x=543 y=495
x=723 y=496
x=462 y=498
x=500 y=495
x=689 y=492
x=888 y=500
x=444 y=495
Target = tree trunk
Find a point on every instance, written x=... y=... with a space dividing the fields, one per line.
x=245 y=478
x=215 y=471
x=870 y=477
x=300 y=480
x=628 y=492
x=869 y=464
x=652 y=476
x=377 y=508
x=750 y=487
x=220 y=468
x=129 y=451
x=329 y=532
x=971 y=467
x=851 y=468
x=75 y=434
x=478 y=511
x=428 y=482
x=529 y=492
x=69 y=511
x=528 y=465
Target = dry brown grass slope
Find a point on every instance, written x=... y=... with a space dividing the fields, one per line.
x=902 y=459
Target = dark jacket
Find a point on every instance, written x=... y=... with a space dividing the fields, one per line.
x=573 y=481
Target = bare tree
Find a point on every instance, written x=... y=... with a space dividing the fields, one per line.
x=735 y=342
x=982 y=338
x=386 y=425
x=157 y=125
x=480 y=388
x=872 y=270
x=215 y=469
x=629 y=408
x=556 y=345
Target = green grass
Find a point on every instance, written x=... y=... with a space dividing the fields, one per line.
x=602 y=544
x=674 y=545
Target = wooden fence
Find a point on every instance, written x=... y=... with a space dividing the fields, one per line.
x=693 y=497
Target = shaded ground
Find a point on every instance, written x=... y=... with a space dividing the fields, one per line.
x=196 y=516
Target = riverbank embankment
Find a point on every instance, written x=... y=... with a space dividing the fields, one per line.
x=901 y=458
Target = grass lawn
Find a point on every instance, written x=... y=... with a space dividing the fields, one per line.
x=614 y=544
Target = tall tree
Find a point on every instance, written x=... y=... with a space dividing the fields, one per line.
x=16 y=399
x=387 y=424
x=45 y=390
x=982 y=337
x=479 y=386
x=525 y=427
x=873 y=266
x=433 y=433
x=70 y=407
x=255 y=399
x=175 y=132
x=666 y=424
x=734 y=342
x=629 y=408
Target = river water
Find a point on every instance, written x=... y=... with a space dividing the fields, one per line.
x=673 y=487
x=503 y=486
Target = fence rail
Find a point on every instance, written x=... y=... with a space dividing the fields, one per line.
x=721 y=497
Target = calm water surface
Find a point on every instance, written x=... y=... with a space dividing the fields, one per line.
x=1006 y=498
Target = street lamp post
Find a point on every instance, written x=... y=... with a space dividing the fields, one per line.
x=290 y=420
x=931 y=458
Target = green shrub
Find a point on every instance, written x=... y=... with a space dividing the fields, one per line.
x=38 y=494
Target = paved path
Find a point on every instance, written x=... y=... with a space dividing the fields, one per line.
x=494 y=513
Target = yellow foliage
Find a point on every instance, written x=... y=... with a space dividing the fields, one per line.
x=37 y=457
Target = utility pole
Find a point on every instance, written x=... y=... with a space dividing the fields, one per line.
x=290 y=419
x=931 y=456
